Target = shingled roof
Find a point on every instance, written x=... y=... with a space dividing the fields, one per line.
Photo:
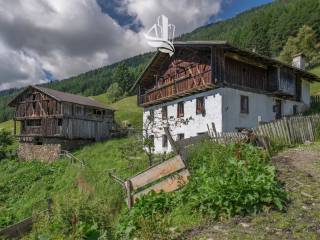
x=66 y=97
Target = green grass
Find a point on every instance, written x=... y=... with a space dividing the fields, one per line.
x=315 y=87
x=8 y=125
x=88 y=190
x=126 y=109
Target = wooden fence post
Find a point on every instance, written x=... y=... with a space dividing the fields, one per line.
x=128 y=185
x=174 y=145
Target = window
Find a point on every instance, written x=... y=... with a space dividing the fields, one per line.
x=164 y=141
x=295 y=109
x=151 y=115
x=151 y=138
x=180 y=110
x=244 y=104
x=180 y=136
x=164 y=112
x=200 y=108
x=201 y=133
x=34 y=123
x=59 y=122
x=98 y=112
x=34 y=101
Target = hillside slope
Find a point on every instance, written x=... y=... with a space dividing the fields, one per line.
x=25 y=186
x=299 y=170
x=126 y=109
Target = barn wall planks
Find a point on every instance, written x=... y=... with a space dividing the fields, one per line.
x=43 y=116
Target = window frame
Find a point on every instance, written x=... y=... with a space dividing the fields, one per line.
x=179 y=136
x=295 y=109
x=180 y=109
x=244 y=104
x=151 y=115
x=164 y=112
x=164 y=141
x=33 y=123
x=200 y=106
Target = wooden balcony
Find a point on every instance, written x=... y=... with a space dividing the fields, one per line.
x=178 y=88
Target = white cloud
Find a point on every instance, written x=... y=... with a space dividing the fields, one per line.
x=67 y=37
x=63 y=37
x=186 y=15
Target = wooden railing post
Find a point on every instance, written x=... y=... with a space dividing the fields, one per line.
x=174 y=145
x=128 y=186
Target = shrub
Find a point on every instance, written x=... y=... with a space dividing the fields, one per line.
x=231 y=180
x=114 y=92
x=6 y=140
x=236 y=179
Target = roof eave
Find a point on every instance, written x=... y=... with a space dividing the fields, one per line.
x=144 y=71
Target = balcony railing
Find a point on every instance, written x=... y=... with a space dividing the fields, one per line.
x=179 y=87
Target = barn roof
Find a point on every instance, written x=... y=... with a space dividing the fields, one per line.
x=158 y=57
x=65 y=97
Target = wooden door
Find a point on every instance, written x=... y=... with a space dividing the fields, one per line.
x=278 y=109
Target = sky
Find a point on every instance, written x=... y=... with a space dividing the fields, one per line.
x=45 y=40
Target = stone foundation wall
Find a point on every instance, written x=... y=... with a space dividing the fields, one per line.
x=46 y=152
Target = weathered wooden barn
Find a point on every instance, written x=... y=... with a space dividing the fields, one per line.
x=54 y=119
x=215 y=82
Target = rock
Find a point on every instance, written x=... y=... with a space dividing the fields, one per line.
x=245 y=225
x=307 y=143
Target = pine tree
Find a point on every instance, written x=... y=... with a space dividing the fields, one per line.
x=305 y=42
x=123 y=77
x=114 y=92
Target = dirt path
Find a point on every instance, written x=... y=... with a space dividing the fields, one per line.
x=299 y=170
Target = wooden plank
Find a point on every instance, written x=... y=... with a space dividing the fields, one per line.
x=17 y=230
x=128 y=186
x=161 y=170
x=287 y=130
x=167 y=185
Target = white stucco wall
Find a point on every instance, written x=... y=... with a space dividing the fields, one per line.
x=260 y=106
x=223 y=108
x=305 y=92
x=197 y=124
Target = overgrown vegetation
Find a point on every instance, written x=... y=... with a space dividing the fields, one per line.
x=6 y=140
x=236 y=179
x=85 y=199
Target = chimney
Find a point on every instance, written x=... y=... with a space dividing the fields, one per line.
x=299 y=61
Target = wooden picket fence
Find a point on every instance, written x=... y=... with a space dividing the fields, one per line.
x=315 y=100
x=291 y=130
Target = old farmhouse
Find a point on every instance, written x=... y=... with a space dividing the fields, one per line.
x=214 y=82
x=51 y=120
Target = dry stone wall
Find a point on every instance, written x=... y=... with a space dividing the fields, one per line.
x=46 y=152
